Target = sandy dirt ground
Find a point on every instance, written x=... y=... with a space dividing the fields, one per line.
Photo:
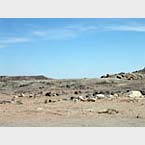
x=34 y=113
x=31 y=110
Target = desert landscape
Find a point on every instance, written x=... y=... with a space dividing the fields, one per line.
x=113 y=100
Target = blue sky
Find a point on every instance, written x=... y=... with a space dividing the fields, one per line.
x=71 y=48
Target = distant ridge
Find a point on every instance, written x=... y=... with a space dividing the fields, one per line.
x=15 y=78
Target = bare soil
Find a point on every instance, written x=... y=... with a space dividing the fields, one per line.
x=63 y=112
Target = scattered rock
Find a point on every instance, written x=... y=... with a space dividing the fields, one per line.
x=91 y=99
x=143 y=92
x=72 y=98
x=138 y=116
x=135 y=94
x=89 y=95
x=31 y=96
x=46 y=101
x=57 y=94
x=49 y=101
x=106 y=76
x=108 y=111
x=65 y=99
x=48 y=94
x=39 y=109
x=18 y=102
x=95 y=93
x=77 y=92
x=22 y=95
x=81 y=98
x=15 y=97
x=116 y=95
x=76 y=100
x=110 y=96
x=5 y=102
x=100 y=96
x=119 y=77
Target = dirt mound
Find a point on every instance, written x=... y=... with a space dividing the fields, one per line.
x=19 y=78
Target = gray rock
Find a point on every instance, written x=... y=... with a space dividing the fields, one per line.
x=108 y=111
x=91 y=99
x=46 y=101
x=18 y=103
x=49 y=94
x=5 y=102
x=143 y=92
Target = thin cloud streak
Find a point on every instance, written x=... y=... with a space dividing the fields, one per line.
x=14 y=40
x=73 y=31
x=127 y=28
x=55 y=34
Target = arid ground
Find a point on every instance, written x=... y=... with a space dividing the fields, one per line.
x=47 y=102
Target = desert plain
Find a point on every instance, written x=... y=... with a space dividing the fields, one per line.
x=37 y=101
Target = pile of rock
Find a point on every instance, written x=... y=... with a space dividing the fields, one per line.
x=125 y=76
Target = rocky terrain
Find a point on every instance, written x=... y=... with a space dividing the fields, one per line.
x=127 y=76
x=112 y=100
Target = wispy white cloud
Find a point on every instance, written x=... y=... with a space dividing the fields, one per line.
x=74 y=30
x=5 y=42
x=55 y=34
x=83 y=27
x=133 y=28
x=70 y=31
x=12 y=40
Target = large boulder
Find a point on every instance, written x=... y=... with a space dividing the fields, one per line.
x=134 y=94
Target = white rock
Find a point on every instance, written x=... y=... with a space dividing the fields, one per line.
x=100 y=96
x=39 y=109
x=76 y=100
x=15 y=97
x=135 y=94
x=22 y=95
x=116 y=95
x=81 y=98
x=111 y=96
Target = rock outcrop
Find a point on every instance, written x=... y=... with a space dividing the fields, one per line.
x=137 y=75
